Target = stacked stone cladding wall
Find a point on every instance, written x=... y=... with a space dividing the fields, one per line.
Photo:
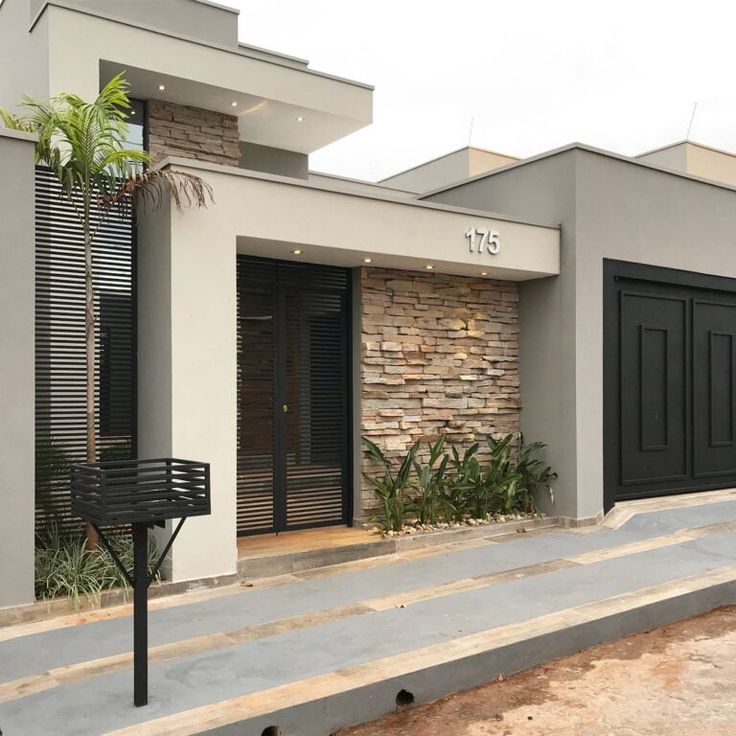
x=439 y=355
x=189 y=132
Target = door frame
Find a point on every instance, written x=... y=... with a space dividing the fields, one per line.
x=280 y=339
x=613 y=272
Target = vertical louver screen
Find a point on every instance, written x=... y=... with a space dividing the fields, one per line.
x=293 y=395
x=60 y=345
x=256 y=334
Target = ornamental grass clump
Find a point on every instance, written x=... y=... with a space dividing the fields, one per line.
x=67 y=567
x=451 y=488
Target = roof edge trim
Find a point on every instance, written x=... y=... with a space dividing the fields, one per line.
x=187 y=163
x=286 y=62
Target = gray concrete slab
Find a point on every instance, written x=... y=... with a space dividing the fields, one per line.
x=98 y=704
x=47 y=650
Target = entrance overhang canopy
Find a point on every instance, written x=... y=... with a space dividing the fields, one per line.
x=279 y=101
x=278 y=217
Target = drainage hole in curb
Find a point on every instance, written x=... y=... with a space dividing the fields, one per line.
x=271 y=731
x=404 y=698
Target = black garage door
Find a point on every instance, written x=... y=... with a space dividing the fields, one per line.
x=669 y=374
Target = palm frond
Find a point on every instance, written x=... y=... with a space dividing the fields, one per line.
x=147 y=189
x=16 y=122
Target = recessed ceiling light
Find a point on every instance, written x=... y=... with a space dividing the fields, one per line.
x=300 y=119
x=297 y=251
x=162 y=88
x=429 y=267
x=484 y=273
x=233 y=104
x=367 y=260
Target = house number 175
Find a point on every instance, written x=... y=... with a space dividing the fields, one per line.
x=482 y=239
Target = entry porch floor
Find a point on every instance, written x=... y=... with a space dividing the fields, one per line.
x=311 y=651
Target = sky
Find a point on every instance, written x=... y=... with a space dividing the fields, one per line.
x=518 y=76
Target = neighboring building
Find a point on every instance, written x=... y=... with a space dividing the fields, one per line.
x=448 y=169
x=693 y=158
x=474 y=294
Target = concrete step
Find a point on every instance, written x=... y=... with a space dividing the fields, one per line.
x=313 y=651
x=273 y=562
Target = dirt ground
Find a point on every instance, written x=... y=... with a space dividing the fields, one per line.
x=679 y=680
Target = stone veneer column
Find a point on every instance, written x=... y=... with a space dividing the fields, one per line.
x=189 y=132
x=439 y=354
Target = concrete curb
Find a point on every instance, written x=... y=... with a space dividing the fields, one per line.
x=590 y=625
x=41 y=610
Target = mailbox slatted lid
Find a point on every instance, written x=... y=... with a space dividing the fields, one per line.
x=128 y=491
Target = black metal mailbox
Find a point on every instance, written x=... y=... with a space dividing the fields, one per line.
x=140 y=493
x=127 y=491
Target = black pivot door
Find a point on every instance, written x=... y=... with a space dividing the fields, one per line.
x=669 y=382
x=293 y=395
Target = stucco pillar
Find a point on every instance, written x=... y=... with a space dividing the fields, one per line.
x=187 y=370
x=17 y=358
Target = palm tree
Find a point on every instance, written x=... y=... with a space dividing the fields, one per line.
x=84 y=145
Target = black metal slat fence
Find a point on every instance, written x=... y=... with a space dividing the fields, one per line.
x=60 y=346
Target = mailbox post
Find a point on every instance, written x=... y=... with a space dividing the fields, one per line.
x=140 y=494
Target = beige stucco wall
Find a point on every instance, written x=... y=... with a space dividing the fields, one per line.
x=432 y=174
x=695 y=159
x=17 y=374
x=671 y=157
x=187 y=372
x=480 y=161
x=711 y=164
x=26 y=54
x=206 y=21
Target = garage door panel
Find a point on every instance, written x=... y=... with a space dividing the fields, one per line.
x=653 y=381
x=669 y=381
x=714 y=397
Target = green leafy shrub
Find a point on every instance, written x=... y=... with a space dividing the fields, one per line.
x=535 y=474
x=461 y=482
x=391 y=486
x=501 y=479
x=451 y=487
x=429 y=499
x=65 y=567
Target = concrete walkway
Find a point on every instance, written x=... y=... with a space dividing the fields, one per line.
x=314 y=651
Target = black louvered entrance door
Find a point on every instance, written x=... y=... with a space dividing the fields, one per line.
x=293 y=397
